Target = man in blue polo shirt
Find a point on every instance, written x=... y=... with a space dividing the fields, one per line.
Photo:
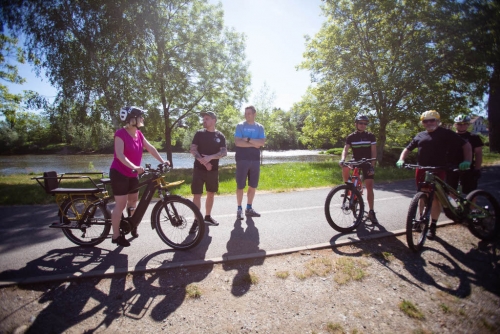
x=249 y=137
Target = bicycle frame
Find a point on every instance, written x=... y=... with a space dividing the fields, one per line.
x=355 y=179
x=157 y=182
x=442 y=190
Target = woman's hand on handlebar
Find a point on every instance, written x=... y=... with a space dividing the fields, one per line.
x=139 y=170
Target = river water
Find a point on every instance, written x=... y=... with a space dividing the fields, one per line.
x=24 y=164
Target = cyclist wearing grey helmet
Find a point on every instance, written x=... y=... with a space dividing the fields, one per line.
x=126 y=166
x=364 y=146
x=470 y=177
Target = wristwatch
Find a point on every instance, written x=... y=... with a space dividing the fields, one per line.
x=248 y=139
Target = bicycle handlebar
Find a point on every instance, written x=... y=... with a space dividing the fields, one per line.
x=160 y=169
x=359 y=162
x=430 y=168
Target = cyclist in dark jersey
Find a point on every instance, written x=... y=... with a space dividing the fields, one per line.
x=363 y=144
x=208 y=146
x=469 y=178
x=434 y=147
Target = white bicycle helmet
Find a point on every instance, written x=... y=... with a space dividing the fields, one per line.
x=126 y=113
x=462 y=119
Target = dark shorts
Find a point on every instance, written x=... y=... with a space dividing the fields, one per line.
x=250 y=169
x=121 y=184
x=468 y=179
x=365 y=169
x=420 y=175
x=204 y=177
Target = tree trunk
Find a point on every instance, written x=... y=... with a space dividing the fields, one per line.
x=494 y=110
x=381 y=140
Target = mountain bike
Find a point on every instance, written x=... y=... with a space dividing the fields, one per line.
x=344 y=205
x=85 y=219
x=479 y=210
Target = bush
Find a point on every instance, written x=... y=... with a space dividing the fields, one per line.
x=335 y=151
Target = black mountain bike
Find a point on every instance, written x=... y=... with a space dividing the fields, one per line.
x=479 y=210
x=85 y=219
x=344 y=205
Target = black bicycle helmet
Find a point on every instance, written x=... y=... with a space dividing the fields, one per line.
x=127 y=113
x=361 y=118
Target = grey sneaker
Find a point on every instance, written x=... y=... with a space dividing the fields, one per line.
x=251 y=213
x=239 y=214
x=372 y=217
x=194 y=228
x=210 y=221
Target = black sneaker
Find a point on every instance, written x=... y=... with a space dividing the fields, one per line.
x=120 y=241
x=372 y=217
x=431 y=234
x=194 y=228
x=210 y=221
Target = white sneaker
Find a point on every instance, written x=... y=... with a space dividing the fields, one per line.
x=239 y=214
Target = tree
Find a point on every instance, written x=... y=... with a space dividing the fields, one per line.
x=483 y=36
x=9 y=103
x=380 y=58
x=188 y=61
x=172 y=57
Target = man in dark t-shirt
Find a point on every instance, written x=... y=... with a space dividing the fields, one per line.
x=434 y=147
x=208 y=146
x=364 y=146
x=470 y=177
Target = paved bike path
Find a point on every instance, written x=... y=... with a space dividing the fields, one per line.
x=291 y=221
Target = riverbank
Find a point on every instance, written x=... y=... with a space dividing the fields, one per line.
x=20 y=189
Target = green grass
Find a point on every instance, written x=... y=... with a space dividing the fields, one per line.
x=20 y=189
x=193 y=291
x=411 y=310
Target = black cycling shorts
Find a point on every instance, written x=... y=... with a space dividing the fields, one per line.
x=123 y=185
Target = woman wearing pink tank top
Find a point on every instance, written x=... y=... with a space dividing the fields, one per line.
x=126 y=167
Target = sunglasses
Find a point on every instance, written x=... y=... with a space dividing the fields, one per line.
x=462 y=123
x=425 y=121
x=362 y=123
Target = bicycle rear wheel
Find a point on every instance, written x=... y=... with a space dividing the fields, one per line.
x=483 y=219
x=178 y=222
x=417 y=222
x=342 y=213
x=93 y=228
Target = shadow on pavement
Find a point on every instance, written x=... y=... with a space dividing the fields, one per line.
x=242 y=242
x=66 y=304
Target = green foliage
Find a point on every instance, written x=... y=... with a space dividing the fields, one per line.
x=335 y=151
x=172 y=58
x=380 y=58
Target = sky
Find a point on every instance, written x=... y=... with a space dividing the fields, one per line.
x=275 y=42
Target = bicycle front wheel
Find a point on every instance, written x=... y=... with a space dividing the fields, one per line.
x=85 y=230
x=417 y=222
x=483 y=220
x=178 y=222
x=344 y=208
